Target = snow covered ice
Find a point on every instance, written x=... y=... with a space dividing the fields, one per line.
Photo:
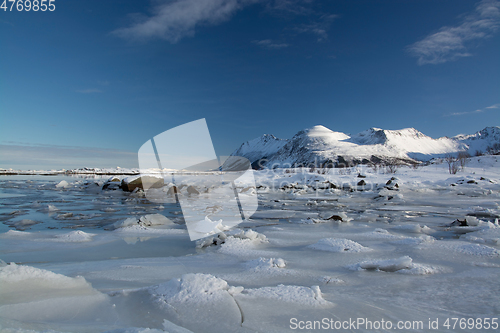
x=80 y=258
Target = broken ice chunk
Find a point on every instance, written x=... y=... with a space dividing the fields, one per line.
x=338 y=245
x=389 y=265
x=62 y=184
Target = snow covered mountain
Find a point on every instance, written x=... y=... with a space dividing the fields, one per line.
x=320 y=146
x=262 y=147
x=482 y=141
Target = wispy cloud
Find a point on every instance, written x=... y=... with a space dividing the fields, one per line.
x=294 y=7
x=494 y=106
x=6 y=22
x=466 y=112
x=318 y=27
x=451 y=43
x=174 y=20
x=270 y=44
x=89 y=91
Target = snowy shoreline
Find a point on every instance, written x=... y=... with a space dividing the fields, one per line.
x=416 y=244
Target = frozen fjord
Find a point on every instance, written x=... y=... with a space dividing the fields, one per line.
x=374 y=251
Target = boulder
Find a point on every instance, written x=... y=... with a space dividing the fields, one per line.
x=335 y=218
x=111 y=185
x=459 y=223
x=131 y=183
x=192 y=190
x=173 y=190
x=392 y=184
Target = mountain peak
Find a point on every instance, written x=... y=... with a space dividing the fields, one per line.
x=321 y=146
x=324 y=133
x=318 y=128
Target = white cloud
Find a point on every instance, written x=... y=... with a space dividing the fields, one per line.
x=451 y=43
x=294 y=7
x=494 y=106
x=319 y=27
x=467 y=112
x=270 y=44
x=174 y=20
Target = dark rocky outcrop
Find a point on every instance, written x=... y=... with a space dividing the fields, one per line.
x=148 y=181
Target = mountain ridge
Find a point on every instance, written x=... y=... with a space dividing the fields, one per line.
x=320 y=146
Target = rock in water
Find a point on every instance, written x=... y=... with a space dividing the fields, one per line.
x=173 y=190
x=111 y=185
x=131 y=183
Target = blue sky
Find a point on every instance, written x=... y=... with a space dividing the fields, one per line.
x=89 y=83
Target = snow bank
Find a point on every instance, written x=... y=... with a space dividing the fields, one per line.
x=15 y=233
x=144 y=221
x=389 y=265
x=37 y=295
x=200 y=302
x=420 y=269
x=154 y=219
x=414 y=228
x=240 y=247
x=126 y=223
x=414 y=240
x=238 y=243
x=265 y=264
x=74 y=236
x=25 y=283
x=221 y=238
x=477 y=250
x=403 y=265
x=209 y=227
x=337 y=217
x=488 y=234
x=379 y=234
x=340 y=245
x=14 y=274
x=288 y=294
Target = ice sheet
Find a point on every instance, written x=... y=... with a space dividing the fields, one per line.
x=84 y=254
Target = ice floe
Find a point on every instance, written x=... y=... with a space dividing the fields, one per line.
x=144 y=221
x=340 y=245
x=308 y=296
x=74 y=236
x=200 y=302
x=34 y=294
x=386 y=265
